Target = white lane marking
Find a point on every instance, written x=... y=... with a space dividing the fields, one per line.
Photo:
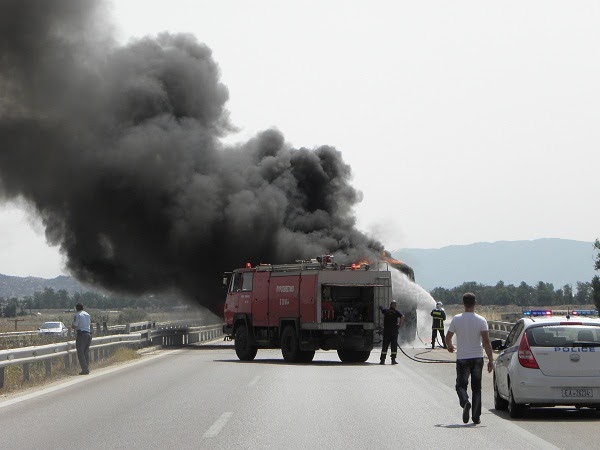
x=218 y=425
x=83 y=378
x=513 y=429
x=254 y=381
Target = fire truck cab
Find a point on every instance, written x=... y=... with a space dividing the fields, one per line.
x=306 y=306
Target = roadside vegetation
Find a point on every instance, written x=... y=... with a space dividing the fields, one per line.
x=14 y=379
x=61 y=300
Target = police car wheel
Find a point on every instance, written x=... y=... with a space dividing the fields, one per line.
x=499 y=403
x=515 y=410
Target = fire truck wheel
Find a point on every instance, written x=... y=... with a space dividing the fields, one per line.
x=306 y=356
x=289 y=345
x=353 y=356
x=243 y=349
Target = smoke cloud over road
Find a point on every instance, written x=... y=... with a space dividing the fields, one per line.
x=118 y=150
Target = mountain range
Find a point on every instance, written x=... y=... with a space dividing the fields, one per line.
x=556 y=261
x=19 y=287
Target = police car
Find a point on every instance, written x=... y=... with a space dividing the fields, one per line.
x=548 y=361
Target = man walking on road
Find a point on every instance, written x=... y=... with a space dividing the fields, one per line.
x=471 y=332
x=392 y=320
x=81 y=323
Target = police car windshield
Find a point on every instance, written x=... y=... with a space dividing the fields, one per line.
x=564 y=336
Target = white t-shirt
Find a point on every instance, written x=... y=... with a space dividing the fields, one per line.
x=468 y=327
x=81 y=321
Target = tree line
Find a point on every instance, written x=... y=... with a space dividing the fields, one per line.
x=61 y=299
x=596 y=279
x=542 y=294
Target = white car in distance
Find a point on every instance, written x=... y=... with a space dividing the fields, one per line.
x=548 y=361
x=53 y=329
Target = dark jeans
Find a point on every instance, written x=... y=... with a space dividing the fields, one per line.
x=433 y=335
x=82 y=344
x=466 y=368
x=388 y=339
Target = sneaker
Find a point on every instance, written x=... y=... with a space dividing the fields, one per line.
x=394 y=362
x=84 y=372
x=381 y=363
x=477 y=421
x=466 y=412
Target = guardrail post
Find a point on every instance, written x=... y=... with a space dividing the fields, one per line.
x=67 y=362
x=48 y=364
x=127 y=328
x=2 y=377
x=26 y=371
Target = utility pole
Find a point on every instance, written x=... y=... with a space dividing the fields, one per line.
x=16 y=319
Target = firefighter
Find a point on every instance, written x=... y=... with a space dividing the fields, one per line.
x=439 y=315
x=392 y=321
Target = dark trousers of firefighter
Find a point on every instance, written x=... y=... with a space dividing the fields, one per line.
x=387 y=340
x=433 y=335
x=82 y=344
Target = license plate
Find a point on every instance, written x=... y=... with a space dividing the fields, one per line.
x=577 y=393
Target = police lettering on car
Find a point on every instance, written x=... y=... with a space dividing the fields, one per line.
x=574 y=349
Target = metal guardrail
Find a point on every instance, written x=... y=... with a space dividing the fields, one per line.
x=17 y=333
x=126 y=328
x=166 y=334
x=499 y=330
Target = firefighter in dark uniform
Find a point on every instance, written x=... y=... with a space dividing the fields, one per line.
x=439 y=315
x=392 y=320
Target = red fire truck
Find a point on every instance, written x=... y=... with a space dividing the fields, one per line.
x=305 y=306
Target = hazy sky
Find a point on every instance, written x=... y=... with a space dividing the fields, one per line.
x=463 y=121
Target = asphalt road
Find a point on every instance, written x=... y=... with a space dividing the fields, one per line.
x=203 y=397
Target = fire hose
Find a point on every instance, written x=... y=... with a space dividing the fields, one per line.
x=422 y=360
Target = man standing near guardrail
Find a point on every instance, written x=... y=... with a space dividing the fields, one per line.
x=81 y=324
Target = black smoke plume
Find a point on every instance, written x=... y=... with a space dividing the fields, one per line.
x=118 y=149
